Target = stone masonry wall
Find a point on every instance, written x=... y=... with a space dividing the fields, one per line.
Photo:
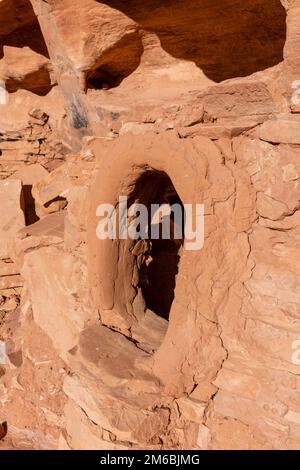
x=93 y=95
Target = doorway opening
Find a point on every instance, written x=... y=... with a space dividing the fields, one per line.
x=157 y=257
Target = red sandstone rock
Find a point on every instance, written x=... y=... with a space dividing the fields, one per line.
x=280 y=132
x=12 y=216
x=123 y=345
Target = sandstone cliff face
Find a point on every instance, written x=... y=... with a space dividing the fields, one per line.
x=201 y=98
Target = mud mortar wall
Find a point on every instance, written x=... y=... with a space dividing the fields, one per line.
x=97 y=94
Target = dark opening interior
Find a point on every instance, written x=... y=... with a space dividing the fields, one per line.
x=224 y=38
x=28 y=205
x=159 y=259
x=3 y=430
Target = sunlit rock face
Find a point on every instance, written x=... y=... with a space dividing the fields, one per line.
x=145 y=343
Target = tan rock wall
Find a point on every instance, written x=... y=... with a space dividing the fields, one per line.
x=98 y=94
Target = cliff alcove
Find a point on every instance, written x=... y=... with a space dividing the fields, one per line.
x=183 y=342
x=226 y=39
x=21 y=39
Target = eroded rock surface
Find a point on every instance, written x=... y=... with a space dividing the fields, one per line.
x=106 y=98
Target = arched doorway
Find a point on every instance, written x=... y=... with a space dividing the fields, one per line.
x=127 y=167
